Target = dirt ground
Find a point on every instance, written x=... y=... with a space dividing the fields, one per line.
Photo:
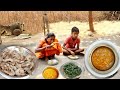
x=105 y=30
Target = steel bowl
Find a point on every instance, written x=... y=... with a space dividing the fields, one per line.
x=25 y=52
x=65 y=76
x=95 y=72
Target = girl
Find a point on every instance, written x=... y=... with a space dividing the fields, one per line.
x=48 y=47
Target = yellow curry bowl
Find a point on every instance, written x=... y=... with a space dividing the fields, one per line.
x=50 y=72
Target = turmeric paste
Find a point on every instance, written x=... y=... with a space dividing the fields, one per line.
x=50 y=73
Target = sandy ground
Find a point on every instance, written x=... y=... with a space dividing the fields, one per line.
x=105 y=30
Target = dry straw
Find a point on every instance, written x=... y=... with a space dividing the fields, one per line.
x=33 y=19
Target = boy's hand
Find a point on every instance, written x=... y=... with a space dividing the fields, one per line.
x=73 y=49
x=72 y=53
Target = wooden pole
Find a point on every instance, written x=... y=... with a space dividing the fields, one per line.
x=45 y=23
x=0 y=38
x=91 y=22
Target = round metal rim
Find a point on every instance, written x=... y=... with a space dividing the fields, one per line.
x=87 y=57
x=15 y=77
x=75 y=64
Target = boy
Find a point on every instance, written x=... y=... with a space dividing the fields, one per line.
x=69 y=46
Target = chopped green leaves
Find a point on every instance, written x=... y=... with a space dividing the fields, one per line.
x=72 y=70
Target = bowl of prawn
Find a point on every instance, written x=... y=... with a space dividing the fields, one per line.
x=17 y=62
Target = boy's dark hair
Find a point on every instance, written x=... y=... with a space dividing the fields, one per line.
x=49 y=35
x=74 y=29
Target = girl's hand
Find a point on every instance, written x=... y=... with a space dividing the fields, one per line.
x=48 y=46
x=54 y=43
x=46 y=58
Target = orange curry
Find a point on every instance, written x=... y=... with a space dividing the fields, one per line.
x=103 y=58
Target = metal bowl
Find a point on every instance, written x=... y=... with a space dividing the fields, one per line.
x=25 y=52
x=51 y=67
x=65 y=76
x=92 y=69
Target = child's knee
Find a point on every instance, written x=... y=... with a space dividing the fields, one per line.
x=81 y=50
x=64 y=50
x=66 y=53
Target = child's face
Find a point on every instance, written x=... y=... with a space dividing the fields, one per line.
x=50 y=40
x=75 y=35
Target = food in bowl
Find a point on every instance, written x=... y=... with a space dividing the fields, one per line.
x=50 y=73
x=71 y=70
x=103 y=58
x=101 y=72
x=13 y=62
x=73 y=57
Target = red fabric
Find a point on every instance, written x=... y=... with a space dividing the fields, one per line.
x=70 y=43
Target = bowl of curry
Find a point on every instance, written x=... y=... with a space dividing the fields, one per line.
x=50 y=73
x=102 y=59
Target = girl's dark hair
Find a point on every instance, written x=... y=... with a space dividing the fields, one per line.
x=49 y=35
x=75 y=29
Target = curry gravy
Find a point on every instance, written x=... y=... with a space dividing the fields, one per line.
x=103 y=58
